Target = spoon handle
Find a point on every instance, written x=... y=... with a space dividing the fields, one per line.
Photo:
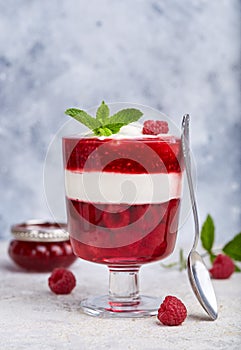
x=187 y=159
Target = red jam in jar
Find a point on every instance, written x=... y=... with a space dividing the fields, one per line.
x=41 y=246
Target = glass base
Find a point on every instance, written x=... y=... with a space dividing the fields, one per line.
x=102 y=306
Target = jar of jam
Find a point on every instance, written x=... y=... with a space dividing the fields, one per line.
x=41 y=246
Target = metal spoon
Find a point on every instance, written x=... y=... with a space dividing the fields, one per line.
x=197 y=271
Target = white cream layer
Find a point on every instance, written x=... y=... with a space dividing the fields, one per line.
x=103 y=187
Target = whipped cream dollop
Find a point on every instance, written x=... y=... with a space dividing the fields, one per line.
x=130 y=131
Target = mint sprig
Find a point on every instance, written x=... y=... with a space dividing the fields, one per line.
x=232 y=248
x=104 y=124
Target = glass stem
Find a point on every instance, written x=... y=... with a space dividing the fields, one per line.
x=124 y=285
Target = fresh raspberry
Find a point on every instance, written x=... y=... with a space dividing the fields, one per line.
x=172 y=311
x=155 y=127
x=61 y=281
x=223 y=267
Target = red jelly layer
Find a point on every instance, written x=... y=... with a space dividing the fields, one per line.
x=41 y=256
x=132 y=156
x=122 y=234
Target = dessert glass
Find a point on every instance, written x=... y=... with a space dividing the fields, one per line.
x=123 y=199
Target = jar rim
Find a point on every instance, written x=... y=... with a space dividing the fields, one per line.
x=40 y=231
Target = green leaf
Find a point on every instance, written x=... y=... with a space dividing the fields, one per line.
x=212 y=257
x=103 y=124
x=115 y=128
x=237 y=268
x=125 y=116
x=83 y=117
x=207 y=234
x=102 y=131
x=233 y=248
x=169 y=266
x=103 y=113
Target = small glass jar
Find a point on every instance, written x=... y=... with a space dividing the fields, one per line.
x=41 y=246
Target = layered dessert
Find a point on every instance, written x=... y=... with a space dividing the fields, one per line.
x=123 y=194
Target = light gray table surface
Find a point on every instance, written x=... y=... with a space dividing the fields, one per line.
x=31 y=317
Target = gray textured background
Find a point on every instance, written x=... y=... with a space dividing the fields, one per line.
x=176 y=56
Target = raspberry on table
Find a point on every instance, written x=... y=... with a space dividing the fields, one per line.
x=172 y=311
x=223 y=267
x=155 y=127
x=61 y=281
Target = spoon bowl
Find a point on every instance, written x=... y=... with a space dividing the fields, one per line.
x=200 y=281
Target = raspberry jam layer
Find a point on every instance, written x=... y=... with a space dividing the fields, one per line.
x=135 y=156
x=122 y=234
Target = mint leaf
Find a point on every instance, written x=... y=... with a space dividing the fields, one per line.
x=102 y=131
x=212 y=257
x=237 y=268
x=207 y=234
x=168 y=266
x=112 y=129
x=125 y=116
x=115 y=128
x=83 y=118
x=233 y=248
x=103 y=124
x=102 y=113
